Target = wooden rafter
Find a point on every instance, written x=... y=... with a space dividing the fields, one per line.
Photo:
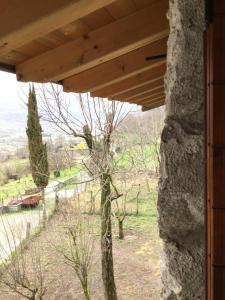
x=25 y=20
x=106 y=43
x=152 y=106
x=140 y=79
x=154 y=98
x=151 y=86
x=117 y=69
x=148 y=95
x=145 y=93
x=111 y=48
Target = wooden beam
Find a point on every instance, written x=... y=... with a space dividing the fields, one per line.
x=117 y=69
x=142 y=78
x=139 y=90
x=106 y=43
x=147 y=95
x=150 y=100
x=7 y=68
x=24 y=21
x=145 y=92
x=152 y=106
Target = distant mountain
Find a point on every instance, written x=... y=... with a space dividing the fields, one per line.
x=12 y=117
x=12 y=122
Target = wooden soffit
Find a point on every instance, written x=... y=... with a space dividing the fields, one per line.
x=110 y=48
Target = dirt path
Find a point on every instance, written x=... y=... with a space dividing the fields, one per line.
x=136 y=264
x=13 y=226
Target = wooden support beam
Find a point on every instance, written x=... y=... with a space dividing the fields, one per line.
x=152 y=106
x=150 y=99
x=147 y=95
x=151 y=86
x=106 y=43
x=117 y=69
x=155 y=101
x=7 y=68
x=142 y=78
x=24 y=21
x=144 y=93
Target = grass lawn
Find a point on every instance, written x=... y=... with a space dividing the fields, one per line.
x=144 y=157
x=147 y=216
x=15 y=188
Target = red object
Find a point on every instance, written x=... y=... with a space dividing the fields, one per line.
x=31 y=200
x=26 y=200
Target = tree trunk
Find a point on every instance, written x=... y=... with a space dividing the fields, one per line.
x=56 y=202
x=87 y=295
x=86 y=290
x=106 y=241
x=137 y=197
x=121 y=233
x=92 y=210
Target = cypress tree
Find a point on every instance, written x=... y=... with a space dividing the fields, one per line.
x=37 y=149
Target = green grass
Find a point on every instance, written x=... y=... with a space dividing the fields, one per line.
x=147 y=216
x=146 y=219
x=66 y=173
x=15 y=188
x=141 y=156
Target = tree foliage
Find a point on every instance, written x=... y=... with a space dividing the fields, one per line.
x=37 y=149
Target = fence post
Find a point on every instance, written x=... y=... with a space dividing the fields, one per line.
x=78 y=201
x=56 y=201
x=28 y=230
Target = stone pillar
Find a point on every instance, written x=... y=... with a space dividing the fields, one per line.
x=181 y=186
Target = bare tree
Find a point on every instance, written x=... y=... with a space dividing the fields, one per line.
x=120 y=213
x=137 y=199
x=93 y=120
x=146 y=129
x=92 y=201
x=78 y=250
x=21 y=274
x=59 y=157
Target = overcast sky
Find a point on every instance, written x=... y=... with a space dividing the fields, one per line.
x=13 y=112
x=10 y=92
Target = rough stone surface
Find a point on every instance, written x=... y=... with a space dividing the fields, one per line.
x=181 y=187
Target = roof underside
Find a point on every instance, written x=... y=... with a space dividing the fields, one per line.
x=110 y=48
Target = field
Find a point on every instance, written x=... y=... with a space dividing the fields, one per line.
x=136 y=258
x=15 y=188
x=139 y=157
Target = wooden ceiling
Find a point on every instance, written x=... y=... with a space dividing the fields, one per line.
x=110 y=48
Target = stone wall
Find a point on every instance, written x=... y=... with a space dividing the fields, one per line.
x=181 y=187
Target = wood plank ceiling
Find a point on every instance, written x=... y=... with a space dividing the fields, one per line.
x=110 y=48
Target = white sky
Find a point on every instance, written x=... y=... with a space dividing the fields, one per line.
x=12 y=96
x=11 y=92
